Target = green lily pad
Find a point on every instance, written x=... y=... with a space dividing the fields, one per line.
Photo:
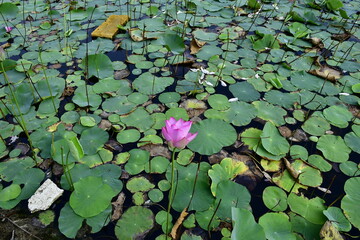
x=351 y=200
x=135 y=222
x=128 y=136
x=308 y=175
x=119 y=104
x=272 y=141
x=298 y=30
x=98 y=65
x=69 y=221
x=244 y=91
x=333 y=148
x=240 y=113
x=10 y=192
x=90 y=197
x=316 y=126
x=267 y=41
x=230 y=194
x=277 y=226
x=337 y=217
x=338 y=116
x=169 y=97
x=228 y=169
x=93 y=139
x=139 y=184
x=205 y=36
x=310 y=209
x=218 y=102
x=244 y=225
x=275 y=199
x=350 y=168
x=270 y=112
x=213 y=134
x=149 y=84
x=188 y=178
x=136 y=163
x=353 y=141
x=139 y=118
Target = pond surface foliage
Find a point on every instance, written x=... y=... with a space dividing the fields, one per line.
x=271 y=87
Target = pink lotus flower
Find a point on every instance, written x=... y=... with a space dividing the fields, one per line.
x=177 y=132
x=8 y=29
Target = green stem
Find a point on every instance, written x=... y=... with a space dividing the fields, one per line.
x=47 y=82
x=171 y=190
x=20 y=121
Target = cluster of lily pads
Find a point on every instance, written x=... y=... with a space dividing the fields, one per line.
x=272 y=88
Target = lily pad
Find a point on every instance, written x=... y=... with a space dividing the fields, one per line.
x=310 y=209
x=91 y=196
x=338 y=116
x=351 y=200
x=270 y=112
x=228 y=169
x=277 y=226
x=272 y=141
x=275 y=199
x=213 y=135
x=93 y=139
x=244 y=91
x=333 y=148
x=245 y=226
x=135 y=222
x=240 y=113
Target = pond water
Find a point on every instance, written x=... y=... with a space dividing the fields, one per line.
x=272 y=90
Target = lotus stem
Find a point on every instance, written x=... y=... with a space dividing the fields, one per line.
x=47 y=83
x=171 y=191
x=20 y=121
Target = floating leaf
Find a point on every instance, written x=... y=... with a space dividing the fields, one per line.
x=93 y=139
x=316 y=126
x=147 y=83
x=272 y=141
x=228 y=169
x=275 y=199
x=69 y=221
x=136 y=222
x=336 y=216
x=240 y=113
x=98 y=65
x=333 y=148
x=139 y=184
x=213 y=134
x=337 y=116
x=244 y=225
x=230 y=194
x=310 y=209
x=350 y=202
x=244 y=91
x=91 y=196
x=270 y=112
x=276 y=226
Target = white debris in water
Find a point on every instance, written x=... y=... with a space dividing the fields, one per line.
x=223 y=83
x=44 y=196
x=233 y=99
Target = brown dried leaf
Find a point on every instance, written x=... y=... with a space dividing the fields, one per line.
x=177 y=224
x=118 y=207
x=157 y=150
x=326 y=73
x=196 y=45
x=290 y=168
x=341 y=37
